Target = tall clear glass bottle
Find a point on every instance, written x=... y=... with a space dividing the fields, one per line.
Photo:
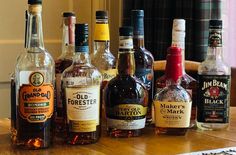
x=102 y=58
x=126 y=99
x=173 y=103
x=187 y=82
x=81 y=93
x=34 y=86
x=143 y=58
x=62 y=62
x=214 y=84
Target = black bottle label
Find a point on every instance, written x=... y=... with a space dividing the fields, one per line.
x=213 y=99
x=146 y=76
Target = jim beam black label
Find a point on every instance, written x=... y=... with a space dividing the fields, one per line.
x=213 y=99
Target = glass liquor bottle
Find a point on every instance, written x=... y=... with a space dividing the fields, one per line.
x=173 y=103
x=126 y=98
x=81 y=93
x=61 y=63
x=143 y=58
x=103 y=59
x=34 y=86
x=187 y=82
x=214 y=84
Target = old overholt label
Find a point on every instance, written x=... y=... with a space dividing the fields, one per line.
x=214 y=94
x=36 y=99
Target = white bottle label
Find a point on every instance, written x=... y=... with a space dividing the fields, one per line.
x=83 y=106
x=126 y=124
x=172 y=114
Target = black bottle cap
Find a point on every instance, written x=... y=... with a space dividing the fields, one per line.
x=137 y=13
x=215 y=24
x=68 y=14
x=31 y=2
x=101 y=14
x=126 y=31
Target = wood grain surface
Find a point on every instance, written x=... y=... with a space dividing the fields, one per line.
x=147 y=144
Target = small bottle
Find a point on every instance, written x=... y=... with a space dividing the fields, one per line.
x=187 y=82
x=81 y=93
x=34 y=74
x=61 y=63
x=103 y=59
x=126 y=98
x=173 y=103
x=214 y=84
x=143 y=58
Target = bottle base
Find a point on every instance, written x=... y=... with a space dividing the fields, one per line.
x=82 y=138
x=118 y=133
x=171 y=131
x=31 y=144
x=212 y=126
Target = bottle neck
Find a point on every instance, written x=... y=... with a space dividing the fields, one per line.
x=138 y=29
x=214 y=52
x=68 y=38
x=138 y=42
x=171 y=82
x=81 y=58
x=34 y=28
x=126 y=61
x=178 y=40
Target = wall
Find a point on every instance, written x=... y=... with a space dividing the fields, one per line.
x=12 y=32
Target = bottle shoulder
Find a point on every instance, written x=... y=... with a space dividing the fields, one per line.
x=173 y=93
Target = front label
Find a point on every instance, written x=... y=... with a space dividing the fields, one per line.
x=213 y=98
x=172 y=114
x=126 y=43
x=127 y=116
x=108 y=74
x=36 y=98
x=101 y=32
x=146 y=76
x=82 y=106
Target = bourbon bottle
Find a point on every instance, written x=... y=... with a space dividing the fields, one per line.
x=143 y=58
x=34 y=86
x=61 y=63
x=214 y=84
x=81 y=93
x=173 y=103
x=126 y=98
x=187 y=82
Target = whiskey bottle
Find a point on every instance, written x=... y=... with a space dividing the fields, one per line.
x=34 y=86
x=214 y=84
x=173 y=103
x=81 y=93
x=103 y=59
x=187 y=82
x=61 y=63
x=143 y=58
x=126 y=98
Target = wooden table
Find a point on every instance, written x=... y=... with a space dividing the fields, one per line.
x=149 y=143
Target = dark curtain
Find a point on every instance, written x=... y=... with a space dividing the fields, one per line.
x=159 y=15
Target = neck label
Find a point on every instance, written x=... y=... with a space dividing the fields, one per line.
x=101 y=32
x=215 y=38
x=126 y=43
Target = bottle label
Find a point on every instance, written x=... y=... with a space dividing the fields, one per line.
x=215 y=38
x=107 y=75
x=101 y=32
x=213 y=98
x=127 y=116
x=172 y=114
x=36 y=99
x=126 y=43
x=146 y=76
x=82 y=107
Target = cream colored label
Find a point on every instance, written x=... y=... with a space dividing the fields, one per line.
x=83 y=106
x=107 y=75
x=172 y=114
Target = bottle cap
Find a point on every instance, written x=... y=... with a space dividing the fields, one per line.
x=101 y=14
x=126 y=31
x=137 y=13
x=68 y=14
x=137 y=22
x=215 y=24
x=31 y=2
x=178 y=25
x=174 y=64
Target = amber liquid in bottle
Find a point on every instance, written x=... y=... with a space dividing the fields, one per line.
x=81 y=94
x=61 y=63
x=125 y=95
